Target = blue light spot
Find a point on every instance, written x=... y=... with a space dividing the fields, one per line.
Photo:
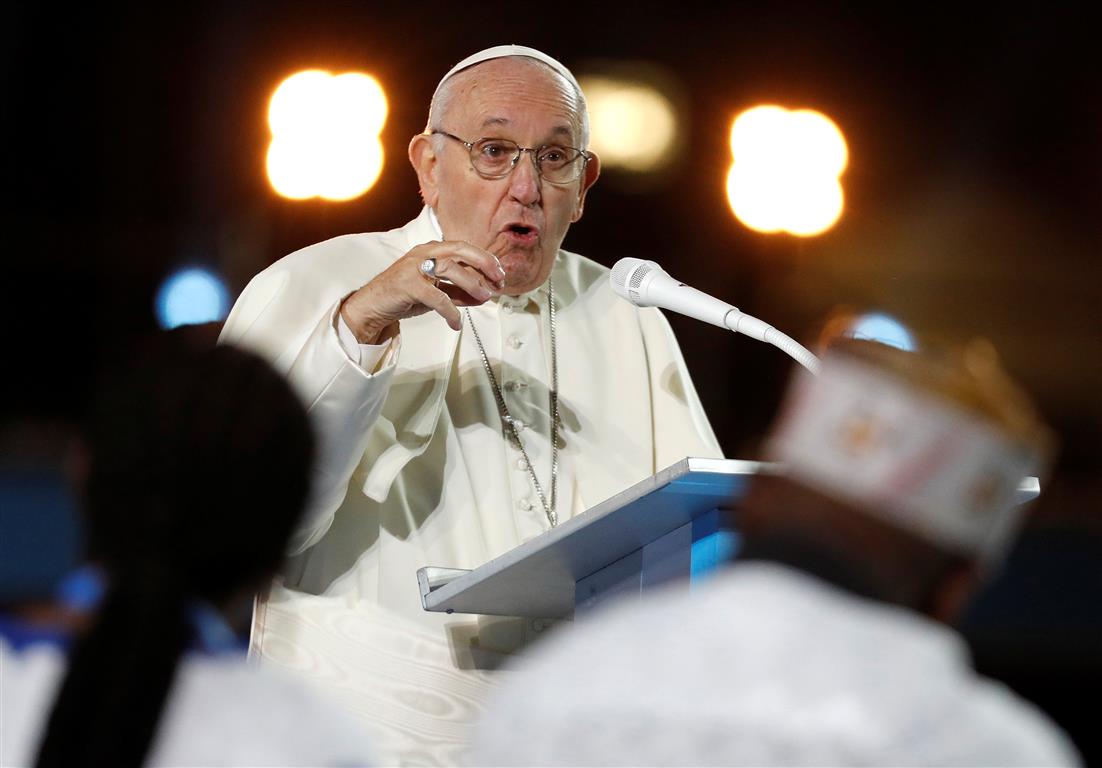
x=876 y=326
x=192 y=296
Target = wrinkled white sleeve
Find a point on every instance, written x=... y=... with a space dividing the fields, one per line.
x=370 y=357
x=342 y=388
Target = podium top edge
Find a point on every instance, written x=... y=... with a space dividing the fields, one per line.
x=724 y=466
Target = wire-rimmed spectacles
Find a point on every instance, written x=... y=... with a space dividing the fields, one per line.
x=495 y=158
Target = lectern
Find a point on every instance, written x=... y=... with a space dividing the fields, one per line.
x=675 y=525
x=666 y=527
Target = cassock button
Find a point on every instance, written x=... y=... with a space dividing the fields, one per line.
x=522 y=464
x=525 y=504
x=515 y=342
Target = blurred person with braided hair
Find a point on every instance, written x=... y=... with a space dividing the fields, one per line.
x=199 y=468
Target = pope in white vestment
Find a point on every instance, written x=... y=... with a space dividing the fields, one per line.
x=416 y=469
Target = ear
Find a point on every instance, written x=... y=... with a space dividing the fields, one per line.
x=422 y=156
x=592 y=171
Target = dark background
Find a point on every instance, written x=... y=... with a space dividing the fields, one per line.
x=134 y=138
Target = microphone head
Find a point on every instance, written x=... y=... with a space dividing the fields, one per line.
x=627 y=275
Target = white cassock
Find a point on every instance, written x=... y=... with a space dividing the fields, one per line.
x=762 y=665
x=415 y=470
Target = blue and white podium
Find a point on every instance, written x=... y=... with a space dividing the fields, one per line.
x=675 y=525
x=669 y=526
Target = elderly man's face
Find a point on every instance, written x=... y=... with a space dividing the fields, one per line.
x=520 y=218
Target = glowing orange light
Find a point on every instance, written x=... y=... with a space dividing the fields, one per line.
x=633 y=124
x=786 y=170
x=325 y=135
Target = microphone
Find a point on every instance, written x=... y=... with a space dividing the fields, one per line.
x=645 y=284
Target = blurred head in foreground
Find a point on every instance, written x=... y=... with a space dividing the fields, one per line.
x=900 y=473
x=894 y=485
x=199 y=469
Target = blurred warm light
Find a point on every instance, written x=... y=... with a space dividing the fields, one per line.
x=884 y=328
x=786 y=169
x=190 y=296
x=325 y=135
x=633 y=125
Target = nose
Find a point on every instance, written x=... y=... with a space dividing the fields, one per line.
x=524 y=181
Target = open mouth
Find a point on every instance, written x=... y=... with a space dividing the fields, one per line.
x=522 y=232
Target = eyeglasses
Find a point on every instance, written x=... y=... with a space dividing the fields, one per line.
x=496 y=158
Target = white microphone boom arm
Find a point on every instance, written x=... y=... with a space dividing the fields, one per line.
x=645 y=284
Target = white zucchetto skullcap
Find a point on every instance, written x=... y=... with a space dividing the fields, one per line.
x=504 y=51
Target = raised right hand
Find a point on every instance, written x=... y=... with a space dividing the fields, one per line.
x=473 y=275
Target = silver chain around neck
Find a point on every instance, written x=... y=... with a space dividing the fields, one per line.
x=511 y=423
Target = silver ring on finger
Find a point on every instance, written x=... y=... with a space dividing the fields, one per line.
x=428 y=269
